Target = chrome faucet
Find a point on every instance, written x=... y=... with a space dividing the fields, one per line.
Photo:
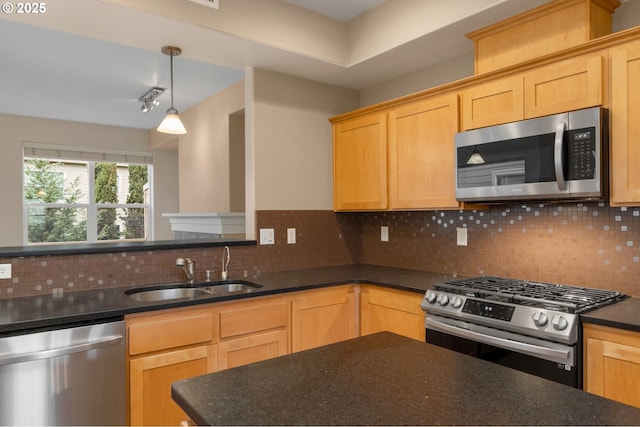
x=188 y=265
x=225 y=263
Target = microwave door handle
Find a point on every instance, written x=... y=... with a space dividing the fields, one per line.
x=557 y=156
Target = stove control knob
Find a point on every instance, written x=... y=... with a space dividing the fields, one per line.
x=456 y=302
x=559 y=323
x=431 y=296
x=443 y=299
x=540 y=319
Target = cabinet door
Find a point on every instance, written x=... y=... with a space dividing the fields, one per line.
x=612 y=364
x=391 y=310
x=422 y=154
x=360 y=163
x=252 y=348
x=493 y=103
x=151 y=378
x=322 y=317
x=625 y=125
x=564 y=86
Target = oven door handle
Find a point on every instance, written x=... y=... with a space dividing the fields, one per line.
x=558 y=355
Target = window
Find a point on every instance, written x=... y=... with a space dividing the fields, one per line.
x=85 y=196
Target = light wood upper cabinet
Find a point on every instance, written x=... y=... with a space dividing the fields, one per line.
x=492 y=103
x=625 y=124
x=393 y=310
x=612 y=363
x=323 y=317
x=360 y=163
x=422 y=154
x=567 y=85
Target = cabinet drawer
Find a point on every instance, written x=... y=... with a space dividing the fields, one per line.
x=169 y=330
x=246 y=319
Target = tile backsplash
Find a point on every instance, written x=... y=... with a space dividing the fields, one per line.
x=587 y=244
x=323 y=239
x=582 y=244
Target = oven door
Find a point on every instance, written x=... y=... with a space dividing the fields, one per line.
x=546 y=359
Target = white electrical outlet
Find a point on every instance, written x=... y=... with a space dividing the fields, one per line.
x=5 y=271
x=461 y=236
x=291 y=236
x=267 y=236
x=384 y=233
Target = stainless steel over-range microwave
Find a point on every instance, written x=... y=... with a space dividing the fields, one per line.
x=563 y=156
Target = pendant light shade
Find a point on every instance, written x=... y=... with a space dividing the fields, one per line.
x=476 y=158
x=172 y=123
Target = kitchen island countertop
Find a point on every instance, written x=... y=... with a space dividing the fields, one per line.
x=386 y=379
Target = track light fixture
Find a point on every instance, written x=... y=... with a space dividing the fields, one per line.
x=150 y=99
x=171 y=123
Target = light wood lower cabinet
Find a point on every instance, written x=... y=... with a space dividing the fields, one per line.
x=252 y=331
x=612 y=363
x=151 y=378
x=323 y=317
x=164 y=347
x=169 y=345
x=393 y=310
x=252 y=348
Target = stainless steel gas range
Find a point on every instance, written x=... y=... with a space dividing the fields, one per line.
x=530 y=326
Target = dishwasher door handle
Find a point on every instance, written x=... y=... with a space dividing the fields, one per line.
x=61 y=351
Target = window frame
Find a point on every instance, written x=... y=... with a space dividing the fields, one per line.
x=89 y=157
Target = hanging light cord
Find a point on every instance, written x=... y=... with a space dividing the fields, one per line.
x=171 y=68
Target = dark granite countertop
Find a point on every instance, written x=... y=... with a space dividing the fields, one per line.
x=623 y=315
x=95 y=248
x=21 y=314
x=386 y=379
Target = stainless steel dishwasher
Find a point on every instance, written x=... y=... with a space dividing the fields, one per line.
x=72 y=376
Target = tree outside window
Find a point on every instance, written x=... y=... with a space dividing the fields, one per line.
x=85 y=201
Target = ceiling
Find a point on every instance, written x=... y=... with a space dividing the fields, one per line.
x=90 y=61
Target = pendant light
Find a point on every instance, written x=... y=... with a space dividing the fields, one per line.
x=171 y=123
x=476 y=158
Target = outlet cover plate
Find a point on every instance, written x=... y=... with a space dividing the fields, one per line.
x=461 y=236
x=267 y=236
x=384 y=233
x=5 y=271
x=291 y=236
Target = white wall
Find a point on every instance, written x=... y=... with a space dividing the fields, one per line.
x=204 y=168
x=289 y=151
x=625 y=17
x=17 y=129
x=292 y=141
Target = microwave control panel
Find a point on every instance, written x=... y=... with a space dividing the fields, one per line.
x=581 y=150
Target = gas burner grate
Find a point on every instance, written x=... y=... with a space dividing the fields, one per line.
x=572 y=299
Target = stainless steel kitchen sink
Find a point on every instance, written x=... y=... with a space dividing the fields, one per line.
x=231 y=288
x=164 y=294
x=182 y=291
